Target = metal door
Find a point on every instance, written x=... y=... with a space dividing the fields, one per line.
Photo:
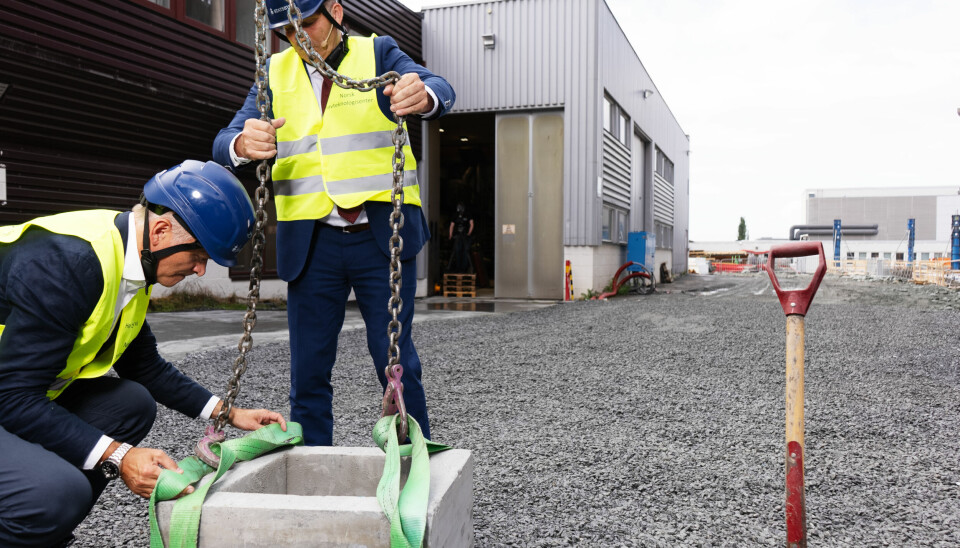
x=529 y=201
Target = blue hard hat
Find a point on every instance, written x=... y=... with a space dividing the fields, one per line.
x=212 y=203
x=277 y=10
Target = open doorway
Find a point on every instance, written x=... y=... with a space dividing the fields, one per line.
x=467 y=176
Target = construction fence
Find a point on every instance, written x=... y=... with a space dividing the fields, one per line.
x=936 y=271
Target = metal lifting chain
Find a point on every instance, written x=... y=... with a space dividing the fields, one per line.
x=214 y=433
x=393 y=397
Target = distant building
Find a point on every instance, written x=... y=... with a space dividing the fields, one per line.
x=874 y=221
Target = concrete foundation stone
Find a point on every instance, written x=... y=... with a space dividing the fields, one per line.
x=326 y=497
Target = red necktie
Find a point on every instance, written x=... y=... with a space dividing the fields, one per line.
x=352 y=213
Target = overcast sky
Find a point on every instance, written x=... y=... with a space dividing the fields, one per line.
x=782 y=97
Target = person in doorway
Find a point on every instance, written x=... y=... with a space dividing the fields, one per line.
x=332 y=178
x=461 y=236
x=74 y=290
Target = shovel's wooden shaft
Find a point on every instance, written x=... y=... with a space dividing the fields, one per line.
x=796 y=505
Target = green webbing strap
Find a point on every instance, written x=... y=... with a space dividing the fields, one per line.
x=185 y=519
x=407 y=509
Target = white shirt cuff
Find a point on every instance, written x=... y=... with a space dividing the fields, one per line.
x=237 y=160
x=98 y=450
x=208 y=409
x=436 y=104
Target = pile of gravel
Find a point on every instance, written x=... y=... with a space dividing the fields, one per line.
x=659 y=420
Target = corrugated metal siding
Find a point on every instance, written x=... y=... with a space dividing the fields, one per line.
x=545 y=57
x=623 y=76
x=663 y=196
x=518 y=72
x=387 y=17
x=616 y=172
x=102 y=95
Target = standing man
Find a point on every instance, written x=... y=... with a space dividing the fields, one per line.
x=74 y=290
x=461 y=237
x=332 y=180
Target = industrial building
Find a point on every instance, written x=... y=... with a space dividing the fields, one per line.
x=875 y=222
x=559 y=141
x=879 y=227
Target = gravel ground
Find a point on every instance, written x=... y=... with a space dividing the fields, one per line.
x=659 y=420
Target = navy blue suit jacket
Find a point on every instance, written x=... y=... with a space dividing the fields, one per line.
x=294 y=237
x=49 y=286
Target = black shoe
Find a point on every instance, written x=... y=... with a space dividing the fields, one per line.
x=65 y=542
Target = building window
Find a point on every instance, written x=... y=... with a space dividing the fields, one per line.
x=924 y=256
x=616 y=121
x=624 y=128
x=886 y=256
x=605 y=228
x=849 y=255
x=863 y=255
x=231 y=19
x=664 y=166
x=900 y=256
x=246 y=25
x=875 y=255
x=614 y=225
x=607 y=112
x=664 y=234
x=208 y=12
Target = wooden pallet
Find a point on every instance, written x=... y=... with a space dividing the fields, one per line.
x=459 y=277
x=459 y=285
x=459 y=293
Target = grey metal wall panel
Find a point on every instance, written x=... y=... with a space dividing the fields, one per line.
x=889 y=212
x=545 y=57
x=519 y=72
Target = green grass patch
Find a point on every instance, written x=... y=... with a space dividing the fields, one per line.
x=181 y=301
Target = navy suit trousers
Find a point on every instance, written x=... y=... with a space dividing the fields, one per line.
x=43 y=497
x=316 y=305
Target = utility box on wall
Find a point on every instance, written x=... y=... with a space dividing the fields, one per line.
x=640 y=248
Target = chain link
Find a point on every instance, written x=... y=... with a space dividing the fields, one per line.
x=261 y=196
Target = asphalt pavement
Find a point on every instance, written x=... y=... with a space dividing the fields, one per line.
x=182 y=333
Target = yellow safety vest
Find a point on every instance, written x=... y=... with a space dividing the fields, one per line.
x=344 y=157
x=89 y=358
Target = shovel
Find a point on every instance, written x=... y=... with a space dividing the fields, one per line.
x=795 y=304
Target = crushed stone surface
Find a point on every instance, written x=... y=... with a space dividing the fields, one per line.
x=658 y=420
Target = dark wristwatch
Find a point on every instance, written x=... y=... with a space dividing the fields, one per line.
x=111 y=466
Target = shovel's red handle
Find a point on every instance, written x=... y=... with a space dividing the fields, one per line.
x=797 y=301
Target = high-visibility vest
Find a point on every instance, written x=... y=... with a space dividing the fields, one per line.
x=344 y=156
x=88 y=358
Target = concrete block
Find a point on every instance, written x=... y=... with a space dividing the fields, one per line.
x=326 y=497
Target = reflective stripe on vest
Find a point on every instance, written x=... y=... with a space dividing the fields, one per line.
x=345 y=158
x=89 y=358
